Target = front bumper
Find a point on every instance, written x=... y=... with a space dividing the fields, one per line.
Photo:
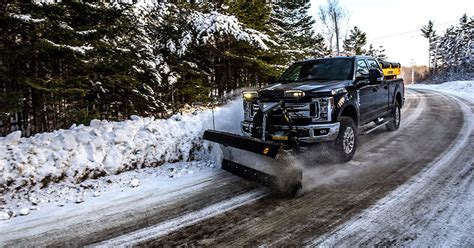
x=314 y=133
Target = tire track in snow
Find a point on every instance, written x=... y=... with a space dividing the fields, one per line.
x=188 y=219
x=370 y=177
x=427 y=209
x=93 y=222
x=271 y=218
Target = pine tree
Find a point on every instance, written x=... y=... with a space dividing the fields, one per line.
x=70 y=62
x=378 y=53
x=429 y=33
x=77 y=62
x=294 y=31
x=463 y=37
x=451 y=52
x=353 y=45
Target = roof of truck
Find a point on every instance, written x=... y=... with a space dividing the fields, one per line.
x=342 y=57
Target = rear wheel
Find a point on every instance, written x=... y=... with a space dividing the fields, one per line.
x=396 y=115
x=346 y=142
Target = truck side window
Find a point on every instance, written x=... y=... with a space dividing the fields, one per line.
x=362 y=67
x=373 y=64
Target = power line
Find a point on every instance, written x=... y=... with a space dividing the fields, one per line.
x=411 y=31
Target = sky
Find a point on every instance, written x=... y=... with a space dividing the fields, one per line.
x=395 y=24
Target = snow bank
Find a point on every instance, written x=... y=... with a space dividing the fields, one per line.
x=464 y=89
x=106 y=148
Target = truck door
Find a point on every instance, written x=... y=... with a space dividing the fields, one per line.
x=367 y=93
x=382 y=91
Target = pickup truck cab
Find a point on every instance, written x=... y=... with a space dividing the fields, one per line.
x=326 y=100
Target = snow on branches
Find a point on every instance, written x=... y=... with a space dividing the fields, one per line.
x=209 y=25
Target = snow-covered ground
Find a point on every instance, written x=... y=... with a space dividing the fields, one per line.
x=70 y=166
x=463 y=89
x=91 y=163
x=434 y=207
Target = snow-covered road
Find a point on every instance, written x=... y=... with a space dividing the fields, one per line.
x=374 y=199
x=434 y=207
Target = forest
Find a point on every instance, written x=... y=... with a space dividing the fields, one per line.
x=70 y=62
x=451 y=52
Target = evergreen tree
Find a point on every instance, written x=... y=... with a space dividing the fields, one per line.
x=353 y=45
x=70 y=62
x=451 y=52
x=294 y=31
x=378 y=53
x=76 y=62
x=429 y=33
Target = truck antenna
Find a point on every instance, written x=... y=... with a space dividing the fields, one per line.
x=212 y=109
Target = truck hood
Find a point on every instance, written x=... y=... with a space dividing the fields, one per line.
x=308 y=86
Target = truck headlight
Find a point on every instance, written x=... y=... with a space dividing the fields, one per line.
x=326 y=105
x=294 y=93
x=338 y=91
x=250 y=95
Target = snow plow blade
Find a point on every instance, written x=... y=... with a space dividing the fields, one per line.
x=265 y=162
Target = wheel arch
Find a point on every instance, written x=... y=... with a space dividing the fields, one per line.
x=351 y=111
x=398 y=98
x=398 y=95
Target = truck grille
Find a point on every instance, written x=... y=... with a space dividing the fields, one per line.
x=302 y=110
x=294 y=110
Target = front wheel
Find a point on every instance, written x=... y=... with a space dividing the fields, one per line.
x=346 y=142
x=396 y=118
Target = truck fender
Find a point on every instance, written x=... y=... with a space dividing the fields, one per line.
x=396 y=92
x=350 y=109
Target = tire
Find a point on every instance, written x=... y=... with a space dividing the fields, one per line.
x=345 y=144
x=397 y=117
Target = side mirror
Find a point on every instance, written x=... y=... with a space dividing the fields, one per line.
x=271 y=80
x=375 y=76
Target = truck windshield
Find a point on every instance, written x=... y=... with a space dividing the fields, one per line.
x=322 y=69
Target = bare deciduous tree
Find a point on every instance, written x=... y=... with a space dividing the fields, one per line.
x=331 y=15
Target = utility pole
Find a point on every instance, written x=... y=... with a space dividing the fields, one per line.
x=412 y=71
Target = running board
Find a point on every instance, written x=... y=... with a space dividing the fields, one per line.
x=369 y=130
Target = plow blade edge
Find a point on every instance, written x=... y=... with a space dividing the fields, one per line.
x=263 y=161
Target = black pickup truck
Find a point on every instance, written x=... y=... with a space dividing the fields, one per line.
x=325 y=100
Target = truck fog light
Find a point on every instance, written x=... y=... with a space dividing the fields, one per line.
x=319 y=132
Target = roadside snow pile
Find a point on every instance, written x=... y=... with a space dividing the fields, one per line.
x=107 y=148
x=464 y=89
x=26 y=201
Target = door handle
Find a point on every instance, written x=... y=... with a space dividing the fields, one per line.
x=375 y=89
